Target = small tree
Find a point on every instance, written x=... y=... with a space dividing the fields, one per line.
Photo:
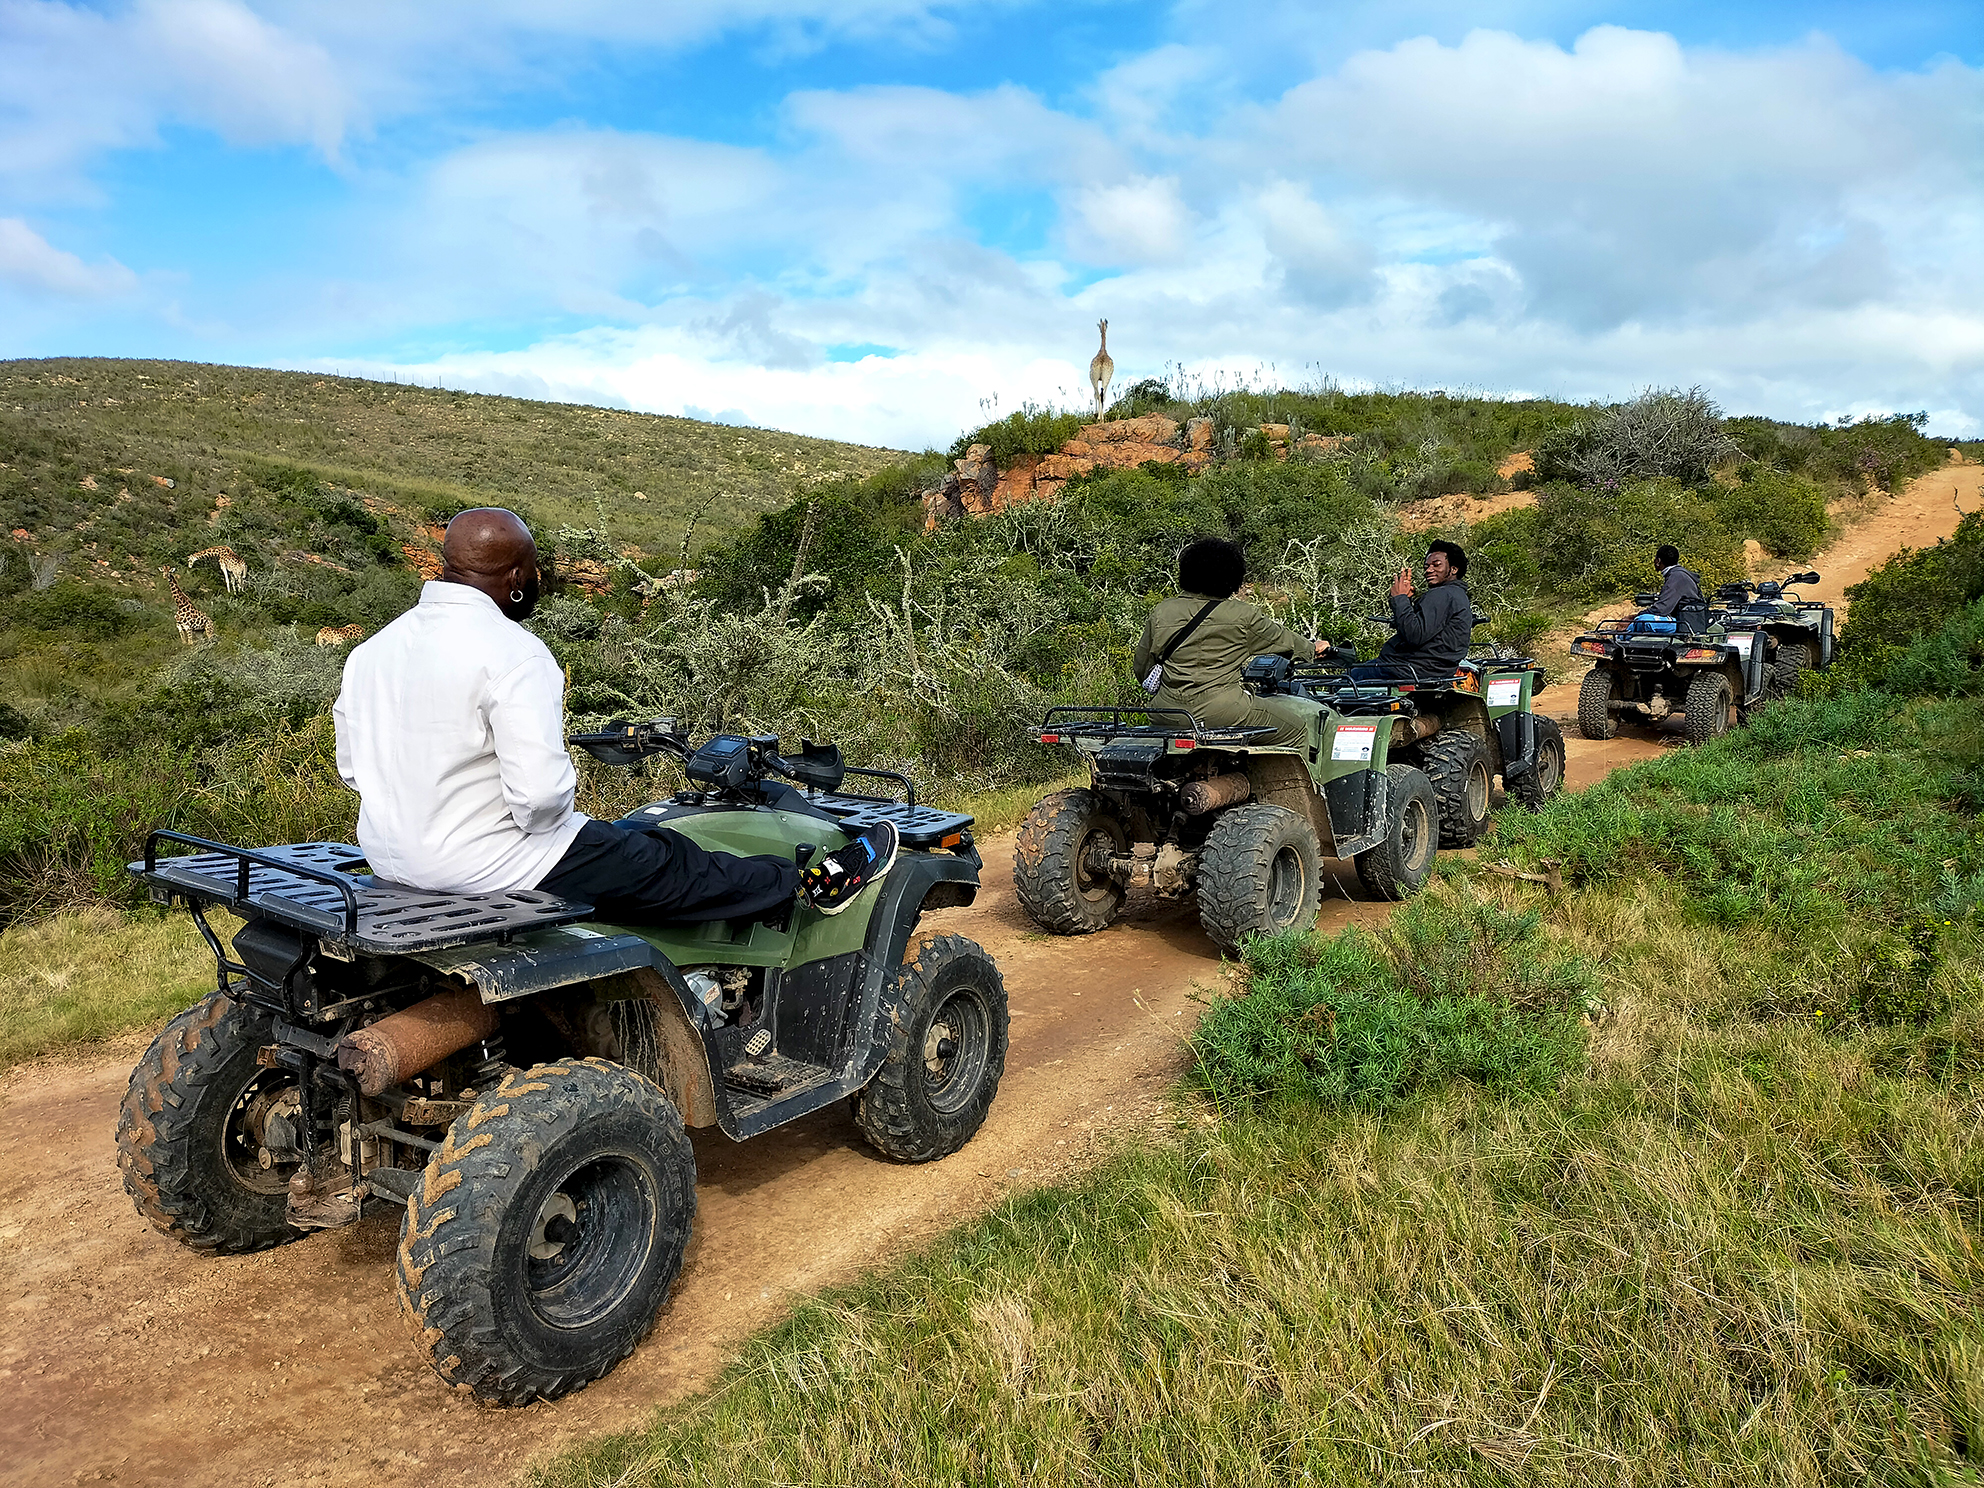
x=1661 y=432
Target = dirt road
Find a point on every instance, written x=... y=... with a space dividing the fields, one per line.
x=130 y=1359
x=1920 y=516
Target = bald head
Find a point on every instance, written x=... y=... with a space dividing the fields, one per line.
x=490 y=549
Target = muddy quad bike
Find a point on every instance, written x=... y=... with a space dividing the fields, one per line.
x=1462 y=730
x=518 y=1076
x=1649 y=667
x=1216 y=813
x=1797 y=633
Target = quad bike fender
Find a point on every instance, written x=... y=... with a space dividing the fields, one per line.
x=1515 y=735
x=1283 y=779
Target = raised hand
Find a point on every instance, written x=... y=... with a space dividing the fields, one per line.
x=1402 y=586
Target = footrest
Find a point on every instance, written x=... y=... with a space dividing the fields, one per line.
x=772 y=1075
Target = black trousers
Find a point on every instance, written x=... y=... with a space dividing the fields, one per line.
x=652 y=876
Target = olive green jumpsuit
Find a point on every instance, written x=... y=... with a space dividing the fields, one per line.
x=1203 y=675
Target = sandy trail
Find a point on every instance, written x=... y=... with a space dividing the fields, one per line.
x=127 y=1358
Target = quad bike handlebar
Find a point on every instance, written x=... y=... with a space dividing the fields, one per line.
x=730 y=764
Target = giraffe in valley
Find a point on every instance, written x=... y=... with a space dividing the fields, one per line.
x=1101 y=368
x=336 y=636
x=191 y=619
x=233 y=570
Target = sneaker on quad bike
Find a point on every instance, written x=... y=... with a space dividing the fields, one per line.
x=833 y=883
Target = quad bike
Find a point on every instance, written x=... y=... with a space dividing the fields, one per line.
x=518 y=1076
x=1710 y=665
x=1798 y=633
x=1221 y=815
x=1462 y=730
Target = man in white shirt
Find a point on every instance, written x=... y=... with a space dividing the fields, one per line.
x=450 y=726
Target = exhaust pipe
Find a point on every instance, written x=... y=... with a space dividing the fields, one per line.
x=401 y=1045
x=1201 y=796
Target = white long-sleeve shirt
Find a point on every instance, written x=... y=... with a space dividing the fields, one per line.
x=451 y=729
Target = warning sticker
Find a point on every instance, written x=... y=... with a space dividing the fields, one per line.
x=1741 y=641
x=1504 y=692
x=1354 y=741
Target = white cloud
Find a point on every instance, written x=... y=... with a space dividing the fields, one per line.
x=1139 y=221
x=31 y=264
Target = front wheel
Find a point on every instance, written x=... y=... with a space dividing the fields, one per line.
x=545 y=1234
x=1708 y=708
x=1260 y=872
x=1546 y=777
x=207 y=1137
x=1061 y=863
x=1404 y=860
x=947 y=1050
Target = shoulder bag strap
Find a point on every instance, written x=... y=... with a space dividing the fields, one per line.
x=1185 y=631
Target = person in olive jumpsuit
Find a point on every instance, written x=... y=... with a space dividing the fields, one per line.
x=1202 y=676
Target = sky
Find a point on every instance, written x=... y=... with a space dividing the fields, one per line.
x=886 y=220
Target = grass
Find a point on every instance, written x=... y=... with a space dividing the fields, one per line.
x=91 y=974
x=1721 y=1232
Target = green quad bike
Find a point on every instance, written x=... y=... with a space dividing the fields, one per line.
x=1215 y=813
x=1712 y=666
x=517 y=1076
x=1797 y=632
x=1462 y=731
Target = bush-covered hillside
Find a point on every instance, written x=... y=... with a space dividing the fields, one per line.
x=834 y=615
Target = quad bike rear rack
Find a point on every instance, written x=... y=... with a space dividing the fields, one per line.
x=1065 y=724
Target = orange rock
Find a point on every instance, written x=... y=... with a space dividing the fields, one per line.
x=1078 y=448
x=1196 y=460
x=1199 y=433
x=1015 y=483
x=424 y=563
x=1065 y=464
x=1152 y=428
x=1275 y=431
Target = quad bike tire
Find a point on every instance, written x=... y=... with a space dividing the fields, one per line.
x=1792 y=658
x=946 y=1054
x=1260 y=872
x=1595 y=718
x=1546 y=777
x=190 y=1161
x=1404 y=860
x=1457 y=763
x=1050 y=870
x=1707 y=715
x=544 y=1236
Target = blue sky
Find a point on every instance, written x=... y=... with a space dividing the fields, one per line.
x=864 y=218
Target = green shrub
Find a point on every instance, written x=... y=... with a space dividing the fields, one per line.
x=1592 y=543
x=1913 y=593
x=1785 y=513
x=1451 y=989
x=82 y=611
x=1945 y=662
x=1033 y=430
x=1662 y=432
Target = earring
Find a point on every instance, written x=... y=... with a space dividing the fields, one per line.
x=516 y=596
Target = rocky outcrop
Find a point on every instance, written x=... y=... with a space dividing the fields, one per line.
x=976 y=487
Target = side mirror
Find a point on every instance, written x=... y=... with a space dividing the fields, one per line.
x=1803 y=578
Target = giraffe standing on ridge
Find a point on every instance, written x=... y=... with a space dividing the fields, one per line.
x=337 y=636
x=1101 y=369
x=233 y=570
x=191 y=619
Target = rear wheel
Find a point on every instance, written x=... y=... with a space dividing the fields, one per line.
x=1595 y=720
x=1260 y=872
x=947 y=1050
x=1547 y=777
x=1456 y=761
x=1708 y=708
x=544 y=1236
x=1402 y=862
x=206 y=1136
x=1792 y=658
x=1061 y=863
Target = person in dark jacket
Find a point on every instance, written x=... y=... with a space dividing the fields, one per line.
x=1201 y=675
x=1430 y=632
x=1677 y=584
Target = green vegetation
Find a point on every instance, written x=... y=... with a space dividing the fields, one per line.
x=1653 y=1179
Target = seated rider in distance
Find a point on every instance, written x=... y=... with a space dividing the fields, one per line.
x=1210 y=637
x=1430 y=633
x=450 y=726
x=1678 y=585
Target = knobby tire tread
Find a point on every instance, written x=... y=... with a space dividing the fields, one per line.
x=444 y=1265
x=1595 y=720
x=1529 y=791
x=889 y=1111
x=1446 y=759
x=1236 y=866
x=1045 y=866
x=160 y=1121
x=1707 y=715
x=1382 y=869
